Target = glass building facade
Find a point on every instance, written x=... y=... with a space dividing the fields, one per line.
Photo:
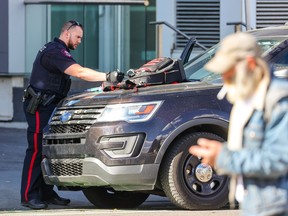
x=115 y=36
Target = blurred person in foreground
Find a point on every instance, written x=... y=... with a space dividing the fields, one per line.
x=50 y=83
x=256 y=153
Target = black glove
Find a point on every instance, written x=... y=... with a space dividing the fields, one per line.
x=115 y=76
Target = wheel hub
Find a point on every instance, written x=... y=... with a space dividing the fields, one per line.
x=203 y=172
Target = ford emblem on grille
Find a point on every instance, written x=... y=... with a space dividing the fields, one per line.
x=66 y=117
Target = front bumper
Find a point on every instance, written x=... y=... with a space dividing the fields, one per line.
x=92 y=172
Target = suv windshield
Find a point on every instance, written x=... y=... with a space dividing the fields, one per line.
x=194 y=69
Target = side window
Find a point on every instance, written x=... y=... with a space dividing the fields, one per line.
x=194 y=69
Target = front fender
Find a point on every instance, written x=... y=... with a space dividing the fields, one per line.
x=219 y=120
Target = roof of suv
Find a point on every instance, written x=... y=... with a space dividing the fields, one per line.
x=271 y=31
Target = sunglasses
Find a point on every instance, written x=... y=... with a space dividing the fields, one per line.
x=74 y=23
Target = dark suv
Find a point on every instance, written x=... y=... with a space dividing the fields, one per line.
x=121 y=146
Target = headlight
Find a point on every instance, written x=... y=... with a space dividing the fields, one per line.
x=130 y=112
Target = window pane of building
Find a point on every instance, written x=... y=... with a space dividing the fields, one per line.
x=115 y=36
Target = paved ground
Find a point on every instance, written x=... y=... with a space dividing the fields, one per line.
x=12 y=147
x=12 y=150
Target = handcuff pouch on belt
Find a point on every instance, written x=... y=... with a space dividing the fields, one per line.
x=37 y=98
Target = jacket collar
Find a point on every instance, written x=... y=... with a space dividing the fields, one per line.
x=57 y=40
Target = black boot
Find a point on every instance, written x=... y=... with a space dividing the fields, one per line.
x=34 y=204
x=57 y=200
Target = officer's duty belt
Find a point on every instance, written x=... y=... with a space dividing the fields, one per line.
x=37 y=98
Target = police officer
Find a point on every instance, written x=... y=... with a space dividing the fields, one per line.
x=49 y=83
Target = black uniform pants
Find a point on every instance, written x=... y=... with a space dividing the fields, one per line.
x=32 y=184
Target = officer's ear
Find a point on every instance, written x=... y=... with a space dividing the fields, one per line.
x=68 y=34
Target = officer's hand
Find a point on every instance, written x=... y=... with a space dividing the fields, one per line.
x=115 y=76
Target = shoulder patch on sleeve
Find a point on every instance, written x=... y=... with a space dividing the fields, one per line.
x=66 y=53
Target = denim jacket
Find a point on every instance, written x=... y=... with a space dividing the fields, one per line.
x=263 y=160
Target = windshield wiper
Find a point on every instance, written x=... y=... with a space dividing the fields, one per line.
x=194 y=80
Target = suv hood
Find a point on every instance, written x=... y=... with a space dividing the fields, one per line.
x=97 y=96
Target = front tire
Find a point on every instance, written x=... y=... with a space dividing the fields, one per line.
x=187 y=182
x=104 y=198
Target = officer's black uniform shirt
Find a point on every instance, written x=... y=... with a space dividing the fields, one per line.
x=49 y=66
x=58 y=59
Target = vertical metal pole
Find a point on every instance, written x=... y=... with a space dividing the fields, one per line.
x=247 y=14
x=238 y=28
x=159 y=50
x=119 y=37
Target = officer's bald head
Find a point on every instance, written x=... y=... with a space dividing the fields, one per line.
x=70 y=25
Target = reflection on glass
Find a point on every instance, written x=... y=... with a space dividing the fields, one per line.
x=194 y=69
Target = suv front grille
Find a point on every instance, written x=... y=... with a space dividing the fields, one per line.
x=68 y=128
x=73 y=120
x=71 y=167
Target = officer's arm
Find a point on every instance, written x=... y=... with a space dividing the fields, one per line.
x=84 y=73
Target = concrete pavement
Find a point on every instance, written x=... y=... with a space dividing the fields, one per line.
x=12 y=151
